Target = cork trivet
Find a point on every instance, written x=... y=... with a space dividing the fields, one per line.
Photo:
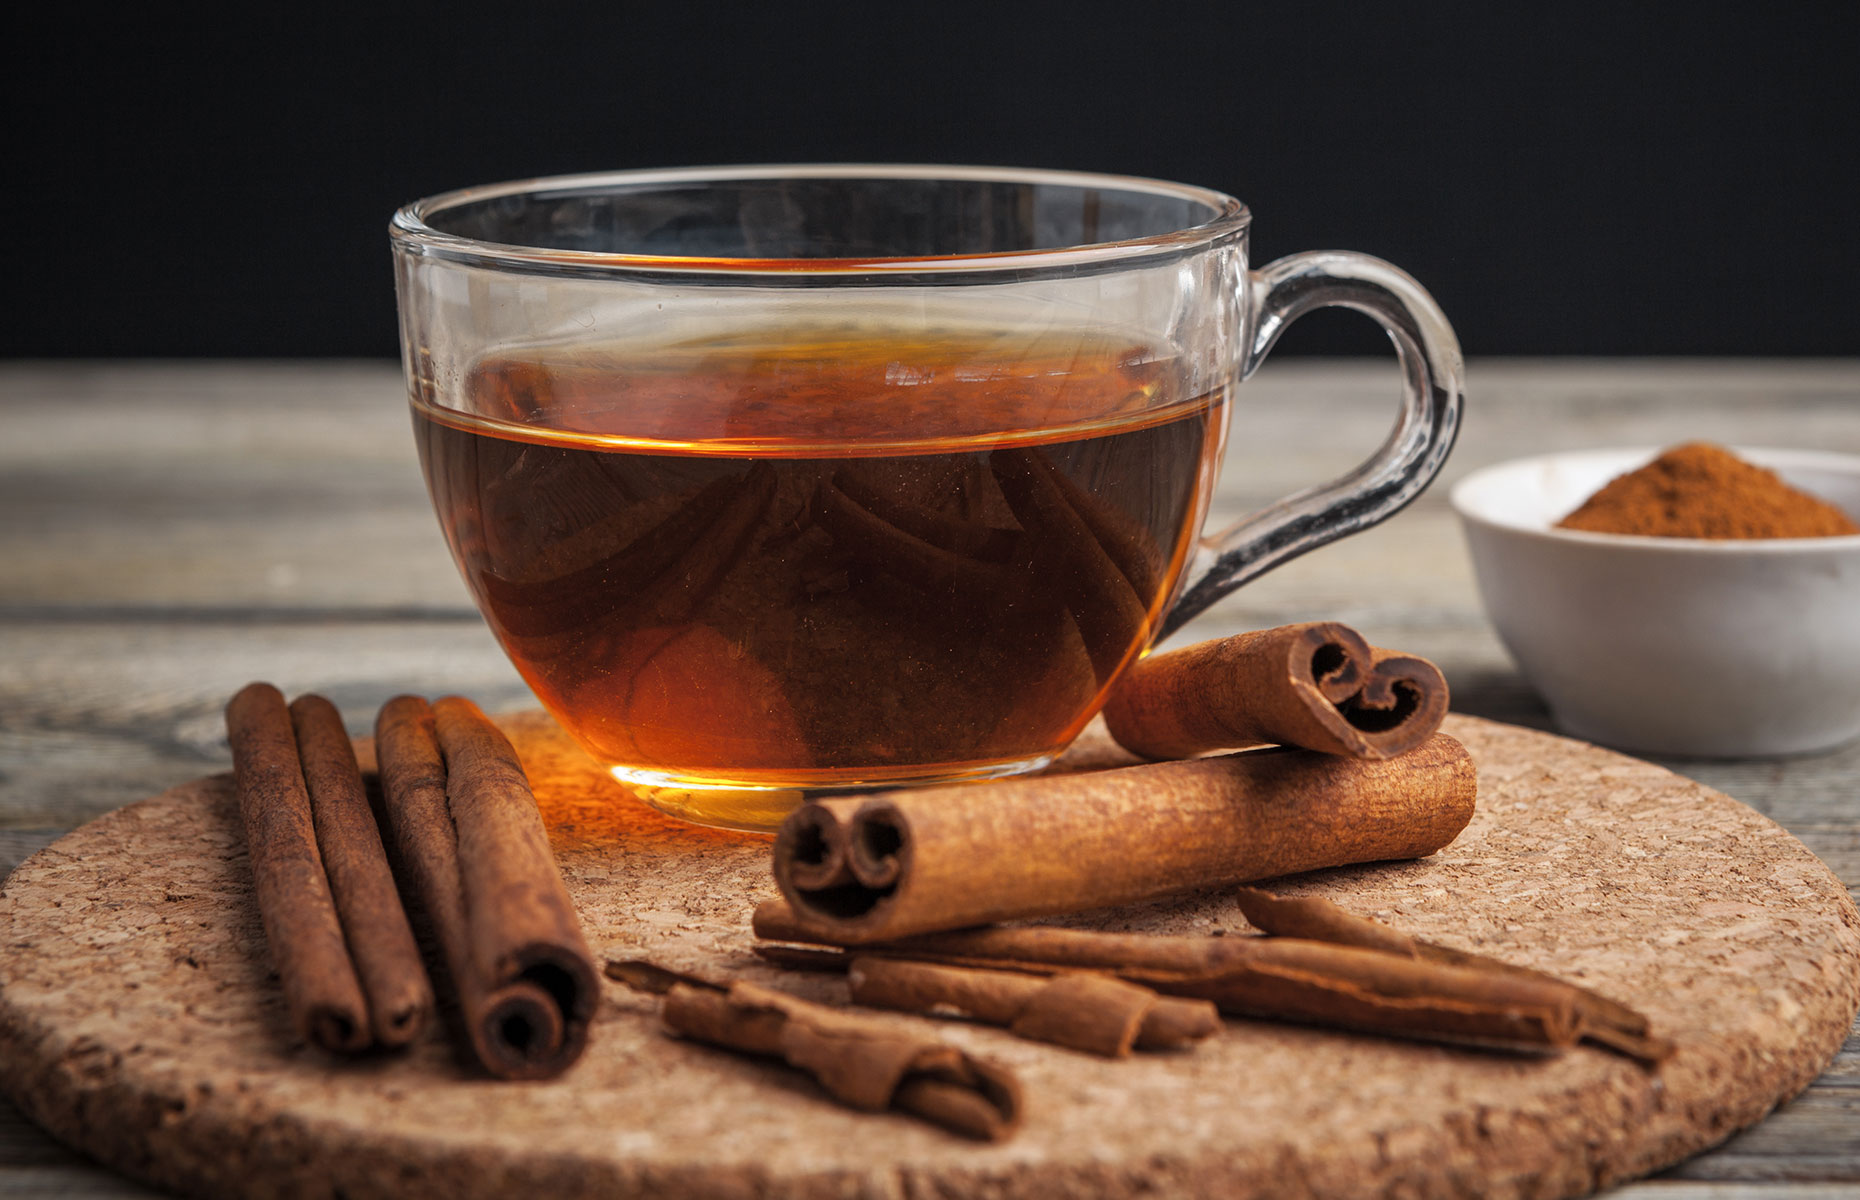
x=138 y=1024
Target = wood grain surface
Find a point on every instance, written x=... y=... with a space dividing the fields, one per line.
x=174 y=530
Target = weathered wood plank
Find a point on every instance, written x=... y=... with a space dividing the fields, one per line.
x=69 y=1183
x=17 y=845
x=95 y=716
x=23 y=1144
x=1684 y=1189
x=1816 y=1136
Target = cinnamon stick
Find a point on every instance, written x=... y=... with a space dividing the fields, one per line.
x=868 y=1064
x=1082 y=1011
x=1317 y=685
x=374 y=925
x=1279 y=978
x=470 y=839
x=301 y=926
x=881 y=867
x=1312 y=917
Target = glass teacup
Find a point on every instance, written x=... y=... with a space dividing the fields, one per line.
x=774 y=479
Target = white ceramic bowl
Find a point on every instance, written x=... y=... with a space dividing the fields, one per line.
x=1672 y=645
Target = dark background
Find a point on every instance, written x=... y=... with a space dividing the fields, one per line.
x=1632 y=178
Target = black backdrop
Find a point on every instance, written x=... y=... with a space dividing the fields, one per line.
x=1568 y=178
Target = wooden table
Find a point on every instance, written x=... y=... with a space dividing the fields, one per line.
x=172 y=531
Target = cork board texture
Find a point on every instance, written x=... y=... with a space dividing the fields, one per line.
x=137 y=1022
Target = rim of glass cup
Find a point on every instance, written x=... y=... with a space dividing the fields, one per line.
x=410 y=228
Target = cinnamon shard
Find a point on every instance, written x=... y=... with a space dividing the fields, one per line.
x=301 y=925
x=1318 y=685
x=869 y=1064
x=469 y=839
x=1092 y=1012
x=881 y=867
x=1602 y=1020
x=381 y=945
x=1272 y=978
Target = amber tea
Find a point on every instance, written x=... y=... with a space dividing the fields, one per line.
x=825 y=559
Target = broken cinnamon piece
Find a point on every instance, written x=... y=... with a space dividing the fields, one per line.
x=1317 y=685
x=374 y=925
x=1603 y=1020
x=301 y=926
x=881 y=867
x=866 y=1063
x=1082 y=1011
x=469 y=838
x=1318 y=920
x=1273 y=978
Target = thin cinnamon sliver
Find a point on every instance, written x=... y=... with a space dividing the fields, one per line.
x=867 y=1063
x=1087 y=1011
x=1273 y=978
x=1603 y=1020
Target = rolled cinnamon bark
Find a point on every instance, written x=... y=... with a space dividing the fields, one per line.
x=1317 y=685
x=871 y=1065
x=1267 y=977
x=875 y=868
x=1603 y=1020
x=1081 y=1011
x=374 y=925
x=469 y=838
x=301 y=926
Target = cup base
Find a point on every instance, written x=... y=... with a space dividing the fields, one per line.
x=750 y=807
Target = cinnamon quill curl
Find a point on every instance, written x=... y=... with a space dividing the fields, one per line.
x=1317 y=685
x=472 y=846
x=1087 y=1011
x=869 y=1064
x=302 y=929
x=1354 y=987
x=1603 y=1020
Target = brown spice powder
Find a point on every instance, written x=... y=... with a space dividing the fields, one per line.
x=1700 y=490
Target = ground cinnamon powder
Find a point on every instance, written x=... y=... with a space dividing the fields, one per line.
x=1700 y=490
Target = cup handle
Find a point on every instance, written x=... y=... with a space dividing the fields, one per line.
x=1433 y=384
